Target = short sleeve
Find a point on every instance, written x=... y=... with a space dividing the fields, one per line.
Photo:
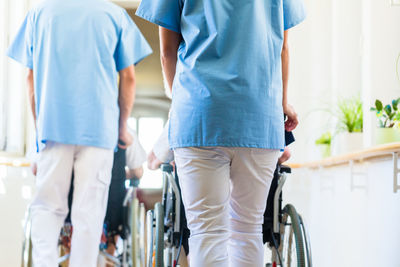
x=294 y=12
x=132 y=47
x=135 y=154
x=21 y=48
x=165 y=13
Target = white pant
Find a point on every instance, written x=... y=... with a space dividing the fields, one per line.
x=92 y=176
x=224 y=191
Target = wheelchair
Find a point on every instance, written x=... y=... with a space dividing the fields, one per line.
x=164 y=224
x=130 y=254
x=284 y=229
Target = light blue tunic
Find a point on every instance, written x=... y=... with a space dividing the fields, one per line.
x=75 y=49
x=227 y=89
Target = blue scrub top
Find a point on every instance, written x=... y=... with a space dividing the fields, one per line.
x=75 y=49
x=227 y=89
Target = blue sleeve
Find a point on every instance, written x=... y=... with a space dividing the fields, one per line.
x=165 y=13
x=293 y=13
x=21 y=48
x=132 y=47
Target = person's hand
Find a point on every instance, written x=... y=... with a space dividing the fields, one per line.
x=125 y=139
x=34 y=168
x=285 y=156
x=291 y=121
x=153 y=163
x=173 y=164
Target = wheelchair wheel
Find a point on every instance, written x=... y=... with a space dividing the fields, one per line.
x=142 y=234
x=292 y=249
x=155 y=237
x=138 y=233
x=134 y=229
x=149 y=238
x=159 y=237
x=306 y=242
x=26 y=260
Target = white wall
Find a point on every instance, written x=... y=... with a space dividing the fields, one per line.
x=349 y=228
x=385 y=48
x=344 y=48
x=16 y=190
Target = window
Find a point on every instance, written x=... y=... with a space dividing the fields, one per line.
x=149 y=129
x=13 y=104
x=132 y=123
x=3 y=45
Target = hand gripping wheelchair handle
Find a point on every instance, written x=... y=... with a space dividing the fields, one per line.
x=134 y=182
x=166 y=167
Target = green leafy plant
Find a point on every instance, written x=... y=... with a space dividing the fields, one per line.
x=387 y=115
x=325 y=139
x=350 y=115
x=324 y=143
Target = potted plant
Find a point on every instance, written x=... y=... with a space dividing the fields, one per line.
x=324 y=143
x=388 y=118
x=349 y=138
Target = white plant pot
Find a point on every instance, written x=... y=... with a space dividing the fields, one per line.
x=345 y=143
x=387 y=135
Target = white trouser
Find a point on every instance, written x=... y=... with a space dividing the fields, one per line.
x=224 y=190
x=49 y=208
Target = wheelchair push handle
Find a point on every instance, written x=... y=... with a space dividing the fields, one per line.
x=134 y=182
x=166 y=167
x=284 y=169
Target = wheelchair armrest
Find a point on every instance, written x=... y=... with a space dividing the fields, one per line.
x=285 y=169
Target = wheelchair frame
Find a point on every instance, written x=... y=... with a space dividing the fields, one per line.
x=296 y=239
x=290 y=246
x=164 y=231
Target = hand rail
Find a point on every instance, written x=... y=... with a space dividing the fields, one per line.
x=387 y=150
x=369 y=153
x=15 y=163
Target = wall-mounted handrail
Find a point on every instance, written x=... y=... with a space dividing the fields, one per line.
x=385 y=150
x=391 y=150
x=15 y=163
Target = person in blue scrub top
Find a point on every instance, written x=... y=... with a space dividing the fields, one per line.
x=227 y=64
x=74 y=51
